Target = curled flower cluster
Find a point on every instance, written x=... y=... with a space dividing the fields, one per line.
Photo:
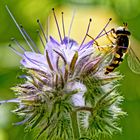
x=66 y=94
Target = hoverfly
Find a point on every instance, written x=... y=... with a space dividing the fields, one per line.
x=119 y=48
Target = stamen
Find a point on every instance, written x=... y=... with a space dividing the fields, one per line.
x=105 y=33
x=19 y=28
x=40 y=25
x=16 y=100
x=57 y=63
x=73 y=62
x=15 y=51
x=49 y=61
x=56 y=80
x=28 y=37
x=63 y=24
x=73 y=15
x=66 y=73
x=90 y=20
x=47 y=31
x=62 y=80
x=40 y=38
x=103 y=28
x=61 y=55
x=100 y=35
x=18 y=44
x=22 y=122
x=57 y=25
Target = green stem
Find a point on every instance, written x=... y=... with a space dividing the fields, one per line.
x=76 y=133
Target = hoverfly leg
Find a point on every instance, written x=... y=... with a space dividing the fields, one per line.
x=112 y=33
x=95 y=42
x=108 y=37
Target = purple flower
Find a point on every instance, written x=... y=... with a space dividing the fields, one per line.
x=66 y=93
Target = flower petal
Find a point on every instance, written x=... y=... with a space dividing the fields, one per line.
x=35 y=61
x=69 y=42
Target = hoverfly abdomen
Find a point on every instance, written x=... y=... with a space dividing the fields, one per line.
x=120 y=48
x=117 y=59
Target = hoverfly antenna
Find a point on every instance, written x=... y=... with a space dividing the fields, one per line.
x=125 y=24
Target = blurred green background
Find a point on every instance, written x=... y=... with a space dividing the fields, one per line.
x=26 y=12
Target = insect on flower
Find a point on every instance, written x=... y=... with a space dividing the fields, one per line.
x=66 y=94
x=119 y=48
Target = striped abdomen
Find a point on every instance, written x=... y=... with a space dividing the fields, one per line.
x=122 y=43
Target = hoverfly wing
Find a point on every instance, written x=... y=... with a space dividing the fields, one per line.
x=107 y=55
x=133 y=61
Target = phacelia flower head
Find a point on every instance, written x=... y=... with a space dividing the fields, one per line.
x=66 y=94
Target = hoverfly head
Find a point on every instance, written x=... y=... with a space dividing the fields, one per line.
x=123 y=30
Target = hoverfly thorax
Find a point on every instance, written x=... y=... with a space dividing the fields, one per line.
x=122 y=31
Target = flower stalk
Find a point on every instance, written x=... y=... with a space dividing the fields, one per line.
x=75 y=126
